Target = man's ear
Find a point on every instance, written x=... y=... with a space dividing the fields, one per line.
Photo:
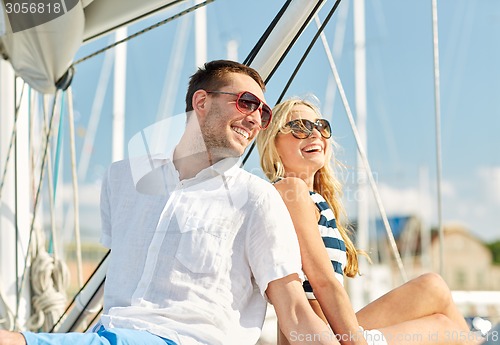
x=200 y=98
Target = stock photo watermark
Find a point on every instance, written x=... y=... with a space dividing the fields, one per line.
x=415 y=338
x=25 y=15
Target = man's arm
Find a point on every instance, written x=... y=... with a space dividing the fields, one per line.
x=297 y=320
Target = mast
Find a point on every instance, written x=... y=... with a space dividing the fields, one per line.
x=425 y=231
x=232 y=50
x=359 y=288
x=14 y=201
x=437 y=110
x=119 y=94
x=174 y=68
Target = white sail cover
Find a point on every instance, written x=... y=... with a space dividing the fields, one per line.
x=40 y=40
x=41 y=46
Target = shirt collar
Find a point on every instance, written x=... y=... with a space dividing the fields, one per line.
x=149 y=175
x=227 y=166
x=147 y=170
x=144 y=165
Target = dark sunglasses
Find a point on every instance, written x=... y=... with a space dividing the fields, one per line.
x=247 y=103
x=302 y=128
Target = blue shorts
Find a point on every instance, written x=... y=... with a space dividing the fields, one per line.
x=112 y=336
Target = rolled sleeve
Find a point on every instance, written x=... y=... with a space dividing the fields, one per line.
x=272 y=245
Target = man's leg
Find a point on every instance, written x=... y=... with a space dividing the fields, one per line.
x=114 y=336
x=15 y=338
x=65 y=339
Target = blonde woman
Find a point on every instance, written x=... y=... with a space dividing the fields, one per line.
x=296 y=154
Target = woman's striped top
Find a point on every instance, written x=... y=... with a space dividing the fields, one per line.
x=332 y=239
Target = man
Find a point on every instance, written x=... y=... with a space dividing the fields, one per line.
x=197 y=243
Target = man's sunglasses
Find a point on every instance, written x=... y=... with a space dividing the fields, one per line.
x=247 y=103
x=302 y=128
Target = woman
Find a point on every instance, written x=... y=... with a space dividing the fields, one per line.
x=296 y=151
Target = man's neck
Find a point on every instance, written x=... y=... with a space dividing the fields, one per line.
x=190 y=164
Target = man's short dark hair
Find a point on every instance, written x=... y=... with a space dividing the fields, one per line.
x=214 y=75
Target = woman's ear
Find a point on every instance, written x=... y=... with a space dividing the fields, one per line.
x=200 y=98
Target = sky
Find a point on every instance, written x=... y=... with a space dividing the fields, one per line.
x=401 y=142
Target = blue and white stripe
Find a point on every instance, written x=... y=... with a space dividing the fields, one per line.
x=332 y=239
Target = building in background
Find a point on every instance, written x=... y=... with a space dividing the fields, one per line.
x=470 y=270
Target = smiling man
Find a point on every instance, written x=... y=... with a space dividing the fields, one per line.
x=194 y=258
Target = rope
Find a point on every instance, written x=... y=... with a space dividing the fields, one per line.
x=149 y=28
x=76 y=217
x=49 y=279
x=362 y=154
x=51 y=190
x=437 y=105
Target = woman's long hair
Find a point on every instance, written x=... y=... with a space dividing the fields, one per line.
x=325 y=181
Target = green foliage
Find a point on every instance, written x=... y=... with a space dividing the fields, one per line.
x=495 y=251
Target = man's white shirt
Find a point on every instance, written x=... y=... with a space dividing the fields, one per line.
x=191 y=260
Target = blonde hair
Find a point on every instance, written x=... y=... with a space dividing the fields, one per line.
x=325 y=181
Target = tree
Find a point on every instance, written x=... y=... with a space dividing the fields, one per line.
x=495 y=251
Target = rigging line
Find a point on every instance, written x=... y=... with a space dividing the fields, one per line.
x=362 y=154
x=308 y=50
x=260 y=43
x=149 y=28
x=37 y=196
x=73 y=301
x=315 y=10
x=57 y=159
x=135 y=19
x=84 y=309
x=299 y=65
x=76 y=213
x=437 y=105
x=12 y=139
x=55 y=179
x=51 y=190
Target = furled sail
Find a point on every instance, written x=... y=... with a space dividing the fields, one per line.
x=41 y=43
x=40 y=40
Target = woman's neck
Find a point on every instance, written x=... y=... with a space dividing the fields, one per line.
x=307 y=178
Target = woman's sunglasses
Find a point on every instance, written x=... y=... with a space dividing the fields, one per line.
x=302 y=128
x=247 y=103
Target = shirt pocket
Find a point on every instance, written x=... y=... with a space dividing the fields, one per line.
x=202 y=244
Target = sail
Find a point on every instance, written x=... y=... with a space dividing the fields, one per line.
x=41 y=40
x=41 y=47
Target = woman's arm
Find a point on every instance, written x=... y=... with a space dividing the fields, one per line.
x=316 y=263
x=297 y=321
